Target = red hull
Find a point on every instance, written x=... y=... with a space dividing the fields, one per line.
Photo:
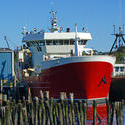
x=87 y=80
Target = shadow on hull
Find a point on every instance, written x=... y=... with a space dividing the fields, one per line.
x=117 y=89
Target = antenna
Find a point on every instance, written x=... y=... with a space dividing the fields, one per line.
x=54 y=20
x=5 y=38
x=24 y=30
x=52 y=4
x=114 y=28
x=76 y=42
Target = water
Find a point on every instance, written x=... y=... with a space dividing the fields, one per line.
x=124 y=116
x=102 y=111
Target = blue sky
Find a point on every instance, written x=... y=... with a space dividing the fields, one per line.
x=97 y=15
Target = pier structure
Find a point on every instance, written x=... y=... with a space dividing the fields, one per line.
x=65 y=110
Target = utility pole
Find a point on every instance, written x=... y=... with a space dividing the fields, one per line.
x=5 y=38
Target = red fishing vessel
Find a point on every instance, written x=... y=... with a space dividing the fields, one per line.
x=61 y=63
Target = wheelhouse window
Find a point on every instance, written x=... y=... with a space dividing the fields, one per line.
x=55 y=42
x=72 y=42
x=60 y=42
x=82 y=42
x=122 y=69
x=66 y=42
x=116 y=69
x=49 y=42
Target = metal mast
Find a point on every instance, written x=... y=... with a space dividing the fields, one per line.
x=76 y=42
x=54 y=20
x=119 y=38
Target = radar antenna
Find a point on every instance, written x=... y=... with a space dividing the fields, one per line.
x=119 y=38
x=53 y=21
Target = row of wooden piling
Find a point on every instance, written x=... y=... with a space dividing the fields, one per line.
x=117 y=111
x=48 y=111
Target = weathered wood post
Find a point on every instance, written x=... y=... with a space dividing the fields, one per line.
x=43 y=116
x=60 y=117
x=66 y=109
x=19 y=111
x=42 y=109
x=7 y=114
x=94 y=112
x=46 y=95
x=112 y=112
x=117 y=114
x=108 y=112
x=3 y=115
x=78 y=114
x=72 y=108
x=14 y=112
x=54 y=114
x=122 y=112
x=85 y=112
x=51 y=111
x=4 y=112
x=62 y=103
x=81 y=112
x=46 y=99
x=70 y=114
x=41 y=95
x=36 y=103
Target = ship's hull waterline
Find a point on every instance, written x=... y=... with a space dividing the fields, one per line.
x=87 y=77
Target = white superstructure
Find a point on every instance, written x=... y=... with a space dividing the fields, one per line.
x=55 y=44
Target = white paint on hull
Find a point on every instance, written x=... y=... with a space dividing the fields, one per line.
x=76 y=59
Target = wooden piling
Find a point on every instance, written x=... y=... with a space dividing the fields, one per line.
x=112 y=112
x=78 y=114
x=60 y=116
x=51 y=111
x=47 y=111
x=94 y=112
x=19 y=111
x=71 y=108
x=8 y=120
x=36 y=103
x=108 y=112
x=81 y=112
x=84 y=112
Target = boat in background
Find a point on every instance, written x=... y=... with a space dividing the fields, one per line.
x=118 y=77
x=61 y=63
